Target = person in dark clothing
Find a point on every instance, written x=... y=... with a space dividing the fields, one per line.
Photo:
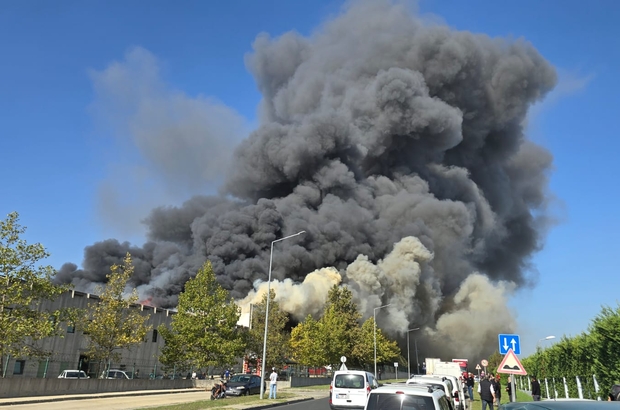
x=614 y=394
x=509 y=389
x=535 y=389
x=486 y=392
x=497 y=387
x=470 y=386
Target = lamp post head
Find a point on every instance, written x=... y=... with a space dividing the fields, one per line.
x=549 y=337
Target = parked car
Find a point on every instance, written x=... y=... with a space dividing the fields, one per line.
x=73 y=374
x=446 y=384
x=349 y=389
x=243 y=385
x=407 y=396
x=116 y=374
x=457 y=390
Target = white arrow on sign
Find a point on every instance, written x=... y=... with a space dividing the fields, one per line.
x=506 y=344
x=513 y=343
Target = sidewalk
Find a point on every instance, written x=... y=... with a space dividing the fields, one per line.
x=300 y=395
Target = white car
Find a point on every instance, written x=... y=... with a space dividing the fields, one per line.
x=446 y=384
x=116 y=374
x=349 y=389
x=403 y=396
x=457 y=389
x=73 y=374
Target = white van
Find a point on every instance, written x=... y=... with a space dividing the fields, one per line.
x=349 y=389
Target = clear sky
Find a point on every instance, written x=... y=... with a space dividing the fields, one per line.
x=64 y=167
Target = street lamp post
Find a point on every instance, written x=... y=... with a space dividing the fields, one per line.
x=538 y=346
x=416 y=353
x=262 y=372
x=375 y=333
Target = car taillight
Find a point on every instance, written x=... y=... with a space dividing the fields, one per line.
x=368 y=389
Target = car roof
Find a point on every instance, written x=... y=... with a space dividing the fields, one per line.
x=418 y=390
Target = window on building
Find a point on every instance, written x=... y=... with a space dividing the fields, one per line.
x=154 y=335
x=19 y=367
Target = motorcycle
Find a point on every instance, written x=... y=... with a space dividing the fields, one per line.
x=219 y=391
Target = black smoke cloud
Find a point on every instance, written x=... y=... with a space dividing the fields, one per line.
x=376 y=128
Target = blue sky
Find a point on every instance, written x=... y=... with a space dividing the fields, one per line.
x=62 y=164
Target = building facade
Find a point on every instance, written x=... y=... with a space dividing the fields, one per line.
x=69 y=349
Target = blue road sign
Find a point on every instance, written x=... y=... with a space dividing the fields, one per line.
x=507 y=342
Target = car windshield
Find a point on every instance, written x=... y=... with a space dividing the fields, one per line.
x=349 y=381
x=391 y=401
x=240 y=379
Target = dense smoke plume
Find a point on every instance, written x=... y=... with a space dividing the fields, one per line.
x=398 y=147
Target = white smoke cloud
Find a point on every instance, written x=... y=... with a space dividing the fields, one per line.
x=298 y=299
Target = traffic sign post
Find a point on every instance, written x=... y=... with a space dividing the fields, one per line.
x=511 y=364
x=396 y=367
x=509 y=342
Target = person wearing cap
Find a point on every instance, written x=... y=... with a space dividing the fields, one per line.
x=273 y=381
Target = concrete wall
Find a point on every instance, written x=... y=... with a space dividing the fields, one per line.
x=309 y=381
x=29 y=387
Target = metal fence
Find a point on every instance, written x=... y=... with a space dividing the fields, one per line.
x=583 y=387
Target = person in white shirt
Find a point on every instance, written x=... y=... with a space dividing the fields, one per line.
x=273 y=381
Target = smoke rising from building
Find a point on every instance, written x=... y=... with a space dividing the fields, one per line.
x=398 y=146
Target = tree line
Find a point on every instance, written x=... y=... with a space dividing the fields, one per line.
x=594 y=352
x=202 y=333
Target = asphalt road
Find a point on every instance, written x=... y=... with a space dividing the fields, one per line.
x=318 y=404
x=137 y=402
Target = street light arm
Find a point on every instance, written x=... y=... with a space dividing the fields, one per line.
x=286 y=237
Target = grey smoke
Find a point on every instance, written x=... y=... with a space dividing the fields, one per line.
x=378 y=127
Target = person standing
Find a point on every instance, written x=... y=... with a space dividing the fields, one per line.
x=535 y=389
x=497 y=387
x=509 y=389
x=486 y=392
x=227 y=374
x=273 y=382
x=614 y=393
x=470 y=386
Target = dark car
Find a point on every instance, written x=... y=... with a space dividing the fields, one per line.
x=563 y=404
x=243 y=385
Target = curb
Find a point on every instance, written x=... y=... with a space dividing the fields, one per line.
x=284 y=403
x=49 y=399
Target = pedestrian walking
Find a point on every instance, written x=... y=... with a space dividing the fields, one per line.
x=486 y=392
x=535 y=389
x=509 y=389
x=497 y=387
x=273 y=381
x=470 y=386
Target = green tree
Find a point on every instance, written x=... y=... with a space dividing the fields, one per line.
x=24 y=285
x=363 y=351
x=494 y=361
x=605 y=331
x=307 y=343
x=110 y=324
x=339 y=325
x=278 y=340
x=204 y=331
